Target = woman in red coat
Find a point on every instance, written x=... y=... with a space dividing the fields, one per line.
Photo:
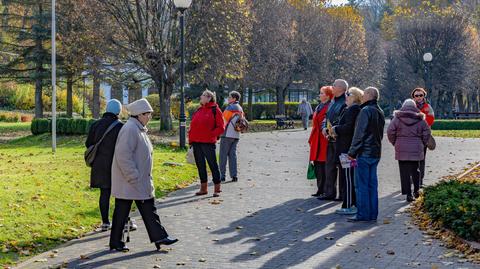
x=420 y=97
x=318 y=142
x=206 y=127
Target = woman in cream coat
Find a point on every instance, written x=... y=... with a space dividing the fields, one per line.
x=132 y=178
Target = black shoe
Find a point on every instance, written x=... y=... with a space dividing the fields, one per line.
x=338 y=200
x=416 y=194
x=325 y=198
x=120 y=249
x=410 y=198
x=317 y=194
x=166 y=241
x=223 y=179
x=234 y=179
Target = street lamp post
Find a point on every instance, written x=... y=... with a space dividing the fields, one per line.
x=427 y=58
x=54 y=81
x=84 y=93
x=182 y=6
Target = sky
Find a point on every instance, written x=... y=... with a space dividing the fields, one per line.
x=339 y=2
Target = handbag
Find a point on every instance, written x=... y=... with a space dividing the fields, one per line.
x=311 y=172
x=190 y=156
x=431 y=144
x=91 y=151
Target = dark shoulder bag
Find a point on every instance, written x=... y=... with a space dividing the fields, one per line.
x=91 y=151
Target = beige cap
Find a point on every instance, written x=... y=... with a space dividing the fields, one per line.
x=138 y=107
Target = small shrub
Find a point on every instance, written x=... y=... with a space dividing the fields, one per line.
x=457 y=206
x=64 y=126
x=10 y=117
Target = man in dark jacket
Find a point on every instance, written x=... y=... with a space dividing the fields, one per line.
x=334 y=114
x=366 y=148
x=101 y=173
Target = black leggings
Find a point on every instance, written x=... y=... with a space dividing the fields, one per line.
x=104 y=204
x=155 y=230
x=320 y=174
x=410 y=172
x=203 y=151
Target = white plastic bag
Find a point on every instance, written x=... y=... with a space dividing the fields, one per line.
x=190 y=156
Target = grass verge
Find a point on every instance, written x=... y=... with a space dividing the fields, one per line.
x=457 y=133
x=46 y=199
x=14 y=127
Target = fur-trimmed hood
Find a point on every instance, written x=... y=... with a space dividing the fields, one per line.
x=409 y=115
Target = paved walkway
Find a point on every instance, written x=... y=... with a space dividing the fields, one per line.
x=268 y=220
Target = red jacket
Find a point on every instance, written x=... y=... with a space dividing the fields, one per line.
x=204 y=128
x=318 y=142
x=429 y=114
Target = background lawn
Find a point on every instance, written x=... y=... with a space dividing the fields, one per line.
x=457 y=133
x=15 y=127
x=46 y=200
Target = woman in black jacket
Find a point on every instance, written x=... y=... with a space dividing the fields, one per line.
x=101 y=173
x=343 y=133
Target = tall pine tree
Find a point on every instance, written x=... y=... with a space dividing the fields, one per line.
x=25 y=44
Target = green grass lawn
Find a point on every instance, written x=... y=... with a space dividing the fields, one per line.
x=45 y=199
x=14 y=127
x=457 y=133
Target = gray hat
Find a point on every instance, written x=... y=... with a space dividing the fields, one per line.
x=138 y=107
x=409 y=103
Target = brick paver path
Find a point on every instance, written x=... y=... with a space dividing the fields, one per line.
x=268 y=219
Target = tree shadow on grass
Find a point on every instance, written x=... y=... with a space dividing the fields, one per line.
x=291 y=233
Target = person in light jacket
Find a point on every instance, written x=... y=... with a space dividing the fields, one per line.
x=230 y=138
x=409 y=133
x=305 y=111
x=132 y=178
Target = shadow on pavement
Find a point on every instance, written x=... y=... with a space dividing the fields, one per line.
x=290 y=233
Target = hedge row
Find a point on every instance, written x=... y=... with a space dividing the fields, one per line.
x=456 y=125
x=457 y=206
x=64 y=126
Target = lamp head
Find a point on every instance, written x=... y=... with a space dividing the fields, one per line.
x=427 y=57
x=182 y=4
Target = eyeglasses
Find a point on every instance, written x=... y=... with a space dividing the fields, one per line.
x=348 y=94
x=419 y=95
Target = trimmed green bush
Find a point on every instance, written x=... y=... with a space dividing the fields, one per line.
x=64 y=126
x=457 y=206
x=456 y=125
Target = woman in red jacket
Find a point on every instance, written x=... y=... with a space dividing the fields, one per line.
x=318 y=142
x=206 y=127
x=420 y=97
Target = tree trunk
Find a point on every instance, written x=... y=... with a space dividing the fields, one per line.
x=280 y=92
x=165 y=107
x=460 y=101
x=70 y=95
x=96 y=93
x=250 y=104
x=117 y=92
x=38 y=98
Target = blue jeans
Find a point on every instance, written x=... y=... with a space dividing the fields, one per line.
x=366 y=188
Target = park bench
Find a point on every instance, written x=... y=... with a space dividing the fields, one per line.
x=283 y=122
x=466 y=115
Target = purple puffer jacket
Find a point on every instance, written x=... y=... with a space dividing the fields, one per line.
x=409 y=133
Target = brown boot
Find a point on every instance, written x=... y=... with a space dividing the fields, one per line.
x=203 y=189
x=217 y=190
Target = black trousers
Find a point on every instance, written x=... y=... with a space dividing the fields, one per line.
x=104 y=204
x=205 y=153
x=348 y=177
x=410 y=173
x=147 y=209
x=320 y=175
x=422 y=167
x=332 y=165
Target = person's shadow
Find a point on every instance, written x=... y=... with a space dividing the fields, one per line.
x=291 y=233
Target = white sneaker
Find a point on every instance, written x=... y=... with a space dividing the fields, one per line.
x=105 y=227
x=133 y=225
